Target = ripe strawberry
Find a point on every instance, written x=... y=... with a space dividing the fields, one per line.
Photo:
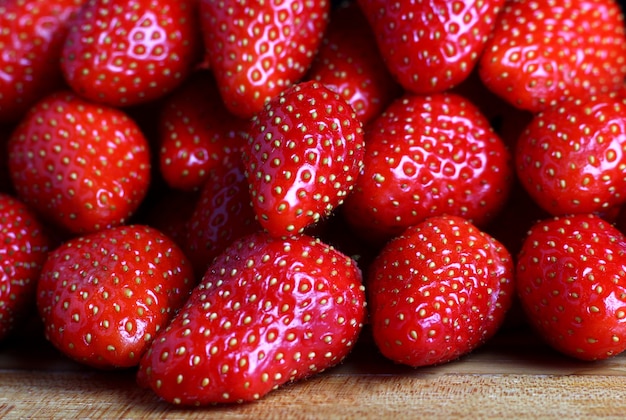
x=428 y=156
x=438 y=291
x=267 y=312
x=303 y=156
x=31 y=39
x=81 y=165
x=24 y=249
x=222 y=214
x=572 y=285
x=121 y=52
x=196 y=133
x=570 y=158
x=543 y=51
x=257 y=49
x=431 y=46
x=104 y=296
x=347 y=64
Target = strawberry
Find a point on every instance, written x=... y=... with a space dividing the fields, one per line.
x=347 y=64
x=572 y=285
x=256 y=49
x=25 y=246
x=543 y=51
x=431 y=46
x=438 y=291
x=196 y=133
x=31 y=40
x=104 y=296
x=222 y=214
x=122 y=53
x=303 y=156
x=570 y=158
x=267 y=312
x=428 y=156
x=81 y=165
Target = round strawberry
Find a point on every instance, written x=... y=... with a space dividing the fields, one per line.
x=438 y=291
x=427 y=156
x=24 y=249
x=122 y=53
x=104 y=296
x=571 y=158
x=81 y=165
x=571 y=280
x=543 y=51
x=31 y=38
x=267 y=312
x=304 y=153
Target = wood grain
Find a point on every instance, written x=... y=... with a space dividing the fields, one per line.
x=514 y=375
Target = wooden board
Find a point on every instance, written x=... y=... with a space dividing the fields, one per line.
x=514 y=375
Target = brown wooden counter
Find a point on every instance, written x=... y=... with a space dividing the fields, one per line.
x=514 y=375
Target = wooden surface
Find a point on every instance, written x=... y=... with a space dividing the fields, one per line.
x=513 y=376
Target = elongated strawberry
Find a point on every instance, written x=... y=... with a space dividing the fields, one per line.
x=303 y=157
x=104 y=296
x=197 y=133
x=122 y=53
x=543 y=51
x=31 y=40
x=267 y=312
x=24 y=249
x=431 y=46
x=572 y=285
x=427 y=156
x=438 y=291
x=81 y=165
x=570 y=158
x=256 y=49
x=347 y=63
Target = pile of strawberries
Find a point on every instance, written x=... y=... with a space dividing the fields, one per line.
x=223 y=193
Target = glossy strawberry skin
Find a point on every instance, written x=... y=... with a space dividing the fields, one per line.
x=80 y=165
x=438 y=291
x=542 y=52
x=571 y=283
x=303 y=156
x=267 y=312
x=257 y=49
x=25 y=246
x=431 y=46
x=123 y=53
x=570 y=157
x=31 y=40
x=347 y=64
x=197 y=133
x=104 y=296
x=427 y=156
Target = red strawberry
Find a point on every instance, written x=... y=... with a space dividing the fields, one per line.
x=196 y=133
x=222 y=214
x=267 y=312
x=23 y=252
x=303 y=156
x=31 y=39
x=121 y=52
x=428 y=156
x=545 y=50
x=571 y=280
x=257 y=49
x=570 y=158
x=431 y=46
x=104 y=296
x=438 y=291
x=81 y=165
x=347 y=64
